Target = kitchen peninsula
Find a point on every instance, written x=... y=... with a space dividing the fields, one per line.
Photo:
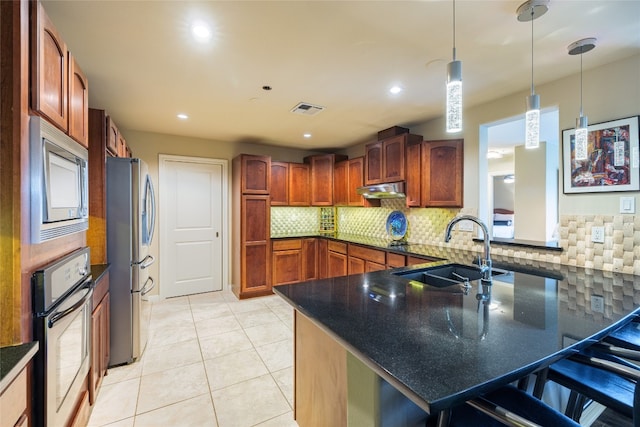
x=439 y=347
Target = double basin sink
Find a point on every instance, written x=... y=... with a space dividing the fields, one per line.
x=446 y=275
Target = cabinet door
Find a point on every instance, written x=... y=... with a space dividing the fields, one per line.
x=255 y=244
x=99 y=346
x=256 y=174
x=442 y=180
x=323 y=259
x=396 y=260
x=49 y=76
x=122 y=146
x=356 y=179
x=322 y=180
x=373 y=163
x=393 y=159
x=309 y=259
x=336 y=264
x=299 y=194
x=279 y=183
x=78 y=103
x=356 y=265
x=413 y=175
x=112 y=137
x=286 y=266
x=341 y=183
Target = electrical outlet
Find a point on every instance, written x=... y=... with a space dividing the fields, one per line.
x=597 y=234
x=597 y=304
x=465 y=226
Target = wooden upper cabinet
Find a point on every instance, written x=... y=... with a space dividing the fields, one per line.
x=341 y=183
x=112 y=137
x=279 y=183
x=256 y=174
x=373 y=163
x=122 y=146
x=49 y=74
x=78 y=103
x=299 y=177
x=322 y=178
x=442 y=179
x=413 y=174
x=393 y=158
x=356 y=179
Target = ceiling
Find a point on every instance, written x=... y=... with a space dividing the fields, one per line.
x=144 y=67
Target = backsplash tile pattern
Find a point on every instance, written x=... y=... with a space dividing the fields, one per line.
x=294 y=220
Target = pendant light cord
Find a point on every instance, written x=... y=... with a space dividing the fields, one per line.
x=454 y=30
x=532 y=13
x=580 y=84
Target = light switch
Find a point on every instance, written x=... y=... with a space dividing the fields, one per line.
x=627 y=205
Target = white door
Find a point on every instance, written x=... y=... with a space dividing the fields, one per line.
x=192 y=211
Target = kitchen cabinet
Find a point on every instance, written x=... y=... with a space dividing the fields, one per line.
x=122 y=146
x=413 y=174
x=442 y=178
x=112 y=137
x=279 y=183
x=322 y=167
x=286 y=261
x=49 y=72
x=385 y=160
x=396 y=260
x=363 y=260
x=299 y=176
x=13 y=402
x=336 y=259
x=348 y=175
x=100 y=336
x=78 y=103
x=255 y=177
x=323 y=258
x=251 y=242
x=309 y=259
x=414 y=260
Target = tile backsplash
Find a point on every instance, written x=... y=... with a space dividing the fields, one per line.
x=620 y=251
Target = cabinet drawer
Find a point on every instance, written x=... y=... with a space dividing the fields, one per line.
x=396 y=260
x=285 y=245
x=13 y=402
x=413 y=260
x=337 y=247
x=374 y=255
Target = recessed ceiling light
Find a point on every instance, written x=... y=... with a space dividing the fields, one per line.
x=201 y=31
x=182 y=116
x=307 y=135
x=395 y=89
x=492 y=154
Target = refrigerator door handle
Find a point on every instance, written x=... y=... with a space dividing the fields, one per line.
x=146 y=262
x=144 y=289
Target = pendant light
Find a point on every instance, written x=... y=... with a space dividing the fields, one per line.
x=529 y=11
x=581 y=135
x=454 y=87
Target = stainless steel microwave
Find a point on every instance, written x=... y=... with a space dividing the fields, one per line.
x=59 y=182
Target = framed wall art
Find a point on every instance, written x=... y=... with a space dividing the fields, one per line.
x=612 y=160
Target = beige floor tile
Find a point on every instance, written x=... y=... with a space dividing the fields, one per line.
x=234 y=368
x=249 y=403
x=259 y=317
x=115 y=402
x=123 y=373
x=127 y=422
x=242 y=306
x=277 y=355
x=181 y=317
x=194 y=412
x=171 y=335
x=209 y=327
x=212 y=310
x=284 y=420
x=171 y=386
x=225 y=343
x=209 y=297
x=286 y=315
x=284 y=379
x=183 y=353
x=267 y=334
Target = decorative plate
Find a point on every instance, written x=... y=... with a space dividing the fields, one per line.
x=396 y=225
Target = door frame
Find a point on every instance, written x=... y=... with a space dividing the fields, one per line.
x=225 y=232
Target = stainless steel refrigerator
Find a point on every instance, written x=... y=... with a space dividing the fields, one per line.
x=130 y=224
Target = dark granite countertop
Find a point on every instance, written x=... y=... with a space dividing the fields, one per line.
x=441 y=348
x=98 y=270
x=13 y=359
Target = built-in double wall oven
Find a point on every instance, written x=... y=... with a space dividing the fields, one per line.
x=62 y=294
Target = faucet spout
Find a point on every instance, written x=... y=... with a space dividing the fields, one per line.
x=485 y=266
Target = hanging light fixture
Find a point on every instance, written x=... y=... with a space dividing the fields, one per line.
x=454 y=87
x=529 y=11
x=581 y=135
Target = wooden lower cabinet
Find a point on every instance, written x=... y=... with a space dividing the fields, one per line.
x=286 y=261
x=100 y=336
x=309 y=259
x=323 y=258
x=337 y=260
x=13 y=402
x=396 y=260
x=413 y=260
x=365 y=260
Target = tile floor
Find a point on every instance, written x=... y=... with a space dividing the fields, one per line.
x=211 y=360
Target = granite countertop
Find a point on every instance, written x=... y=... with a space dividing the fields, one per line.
x=98 y=270
x=13 y=359
x=442 y=347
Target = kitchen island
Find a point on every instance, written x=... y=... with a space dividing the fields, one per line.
x=440 y=347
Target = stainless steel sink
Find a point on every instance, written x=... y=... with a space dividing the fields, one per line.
x=446 y=275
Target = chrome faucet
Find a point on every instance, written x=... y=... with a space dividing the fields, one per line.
x=485 y=264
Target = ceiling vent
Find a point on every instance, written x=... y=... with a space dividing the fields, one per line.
x=307 y=109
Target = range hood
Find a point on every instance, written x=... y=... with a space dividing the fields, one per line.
x=392 y=190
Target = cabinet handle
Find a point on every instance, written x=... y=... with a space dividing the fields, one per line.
x=217 y=234
x=22 y=421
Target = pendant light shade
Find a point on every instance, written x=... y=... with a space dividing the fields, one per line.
x=529 y=11
x=454 y=87
x=582 y=133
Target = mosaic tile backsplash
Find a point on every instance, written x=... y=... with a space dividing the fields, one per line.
x=620 y=251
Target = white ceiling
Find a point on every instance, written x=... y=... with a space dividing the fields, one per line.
x=144 y=67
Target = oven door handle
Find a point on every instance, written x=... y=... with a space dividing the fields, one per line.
x=64 y=313
x=144 y=289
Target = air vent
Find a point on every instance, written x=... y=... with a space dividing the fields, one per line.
x=307 y=109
